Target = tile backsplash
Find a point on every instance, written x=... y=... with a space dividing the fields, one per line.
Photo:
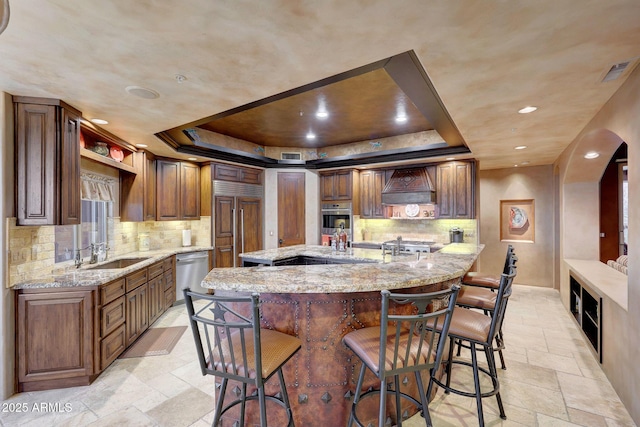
x=437 y=230
x=32 y=248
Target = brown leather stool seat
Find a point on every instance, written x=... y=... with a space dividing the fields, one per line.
x=484 y=280
x=230 y=344
x=487 y=280
x=480 y=298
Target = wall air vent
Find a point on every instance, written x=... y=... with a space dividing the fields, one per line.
x=615 y=71
x=291 y=156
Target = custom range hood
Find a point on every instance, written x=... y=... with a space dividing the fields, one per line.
x=409 y=186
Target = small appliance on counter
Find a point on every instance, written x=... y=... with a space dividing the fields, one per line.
x=456 y=235
x=186 y=238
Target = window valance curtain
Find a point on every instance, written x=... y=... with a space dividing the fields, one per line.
x=97 y=187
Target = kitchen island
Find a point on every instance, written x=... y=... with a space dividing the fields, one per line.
x=320 y=303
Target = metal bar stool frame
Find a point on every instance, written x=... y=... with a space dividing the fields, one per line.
x=477 y=323
x=230 y=345
x=484 y=293
x=403 y=346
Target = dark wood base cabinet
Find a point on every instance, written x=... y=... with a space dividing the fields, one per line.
x=65 y=337
x=55 y=338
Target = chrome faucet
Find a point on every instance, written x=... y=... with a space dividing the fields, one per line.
x=94 y=253
x=78 y=259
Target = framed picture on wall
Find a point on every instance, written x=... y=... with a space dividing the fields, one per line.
x=517 y=221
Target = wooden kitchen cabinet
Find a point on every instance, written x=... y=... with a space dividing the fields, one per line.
x=47 y=154
x=156 y=291
x=238 y=228
x=224 y=172
x=372 y=183
x=178 y=184
x=190 y=190
x=455 y=189
x=55 y=338
x=137 y=305
x=112 y=321
x=169 y=281
x=138 y=191
x=341 y=185
x=66 y=336
x=137 y=313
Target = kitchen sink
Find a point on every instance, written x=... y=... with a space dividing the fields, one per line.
x=117 y=263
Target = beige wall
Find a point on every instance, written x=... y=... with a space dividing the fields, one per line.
x=579 y=194
x=535 y=260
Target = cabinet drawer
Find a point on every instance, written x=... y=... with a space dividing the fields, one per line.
x=112 y=346
x=155 y=269
x=111 y=291
x=112 y=316
x=136 y=279
x=167 y=264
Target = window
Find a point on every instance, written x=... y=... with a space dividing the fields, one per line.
x=92 y=230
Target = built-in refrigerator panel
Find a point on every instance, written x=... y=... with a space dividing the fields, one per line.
x=236 y=221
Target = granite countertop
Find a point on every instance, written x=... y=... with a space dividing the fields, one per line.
x=378 y=273
x=88 y=275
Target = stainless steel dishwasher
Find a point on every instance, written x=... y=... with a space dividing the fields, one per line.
x=191 y=268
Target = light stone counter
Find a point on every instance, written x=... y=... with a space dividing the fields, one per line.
x=321 y=303
x=373 y=272
x=603 y=279
x=88 y=275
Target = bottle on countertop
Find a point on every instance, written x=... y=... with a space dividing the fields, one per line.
x=334 y=240
x=342 y=239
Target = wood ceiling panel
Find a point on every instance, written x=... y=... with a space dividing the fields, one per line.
x=360 y=108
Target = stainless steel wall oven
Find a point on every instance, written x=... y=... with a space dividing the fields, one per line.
x=334 y=215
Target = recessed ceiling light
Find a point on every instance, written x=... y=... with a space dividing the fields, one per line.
x=311 y=135
x=142 y=145
x=99 y=121
x=526 y=162
x=193 y=159
x=528 y=109
x=142 y=92
x=450 y=158
x=520 y=147
x=591 y=155
x=322 y=114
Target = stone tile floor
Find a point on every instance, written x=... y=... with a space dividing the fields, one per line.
x=552 y=379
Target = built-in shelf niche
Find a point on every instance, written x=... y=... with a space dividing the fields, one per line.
x=91 y=134
x=586 y=307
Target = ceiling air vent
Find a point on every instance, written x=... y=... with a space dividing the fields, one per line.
x=615 y=71
x=291 y=156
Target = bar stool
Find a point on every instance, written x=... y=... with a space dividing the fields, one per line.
x=232 y=346
x=486 y=280
x=400 y=345
x=481 y=295
x=476 y=329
